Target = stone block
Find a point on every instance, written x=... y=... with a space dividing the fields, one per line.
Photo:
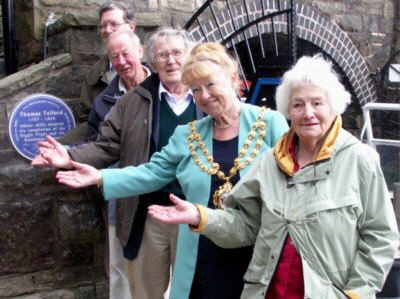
x=52 y=2
x=74 y=19
x=76 y=254
x=56 y=283
x=329 y=8
x=95 y=2
x=4 y=140
x=388 y=10
x=153 y=4
x=24 y=78
x=86 y=46
x=370 y=24
x=146 y=19
x=12 y=285
x=59 y=43
x=58 y=294
x=10 y=156
x=349 y=23
x=386 y=26
x=27 y=234
x=40 y=17
x=79 y=222
x=60 y=3
x=180 y=20
x=62 y=84
x=60 y=60
x=178 y=5
x=87 y=292
x=24 y=5
x=102 y=289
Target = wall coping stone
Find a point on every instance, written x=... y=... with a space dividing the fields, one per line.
x=74 y=19
x=152 y=19
x=32 y=74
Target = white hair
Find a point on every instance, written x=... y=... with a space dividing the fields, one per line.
x=166 y=32
x=317 y=71
x=131 y=35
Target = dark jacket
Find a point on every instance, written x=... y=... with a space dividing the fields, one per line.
x=102 y=106
x=93 y=83
x=126 y=136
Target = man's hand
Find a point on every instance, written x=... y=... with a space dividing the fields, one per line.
x=53 y=154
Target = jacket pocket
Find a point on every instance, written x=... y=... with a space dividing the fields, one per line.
x=253 y=290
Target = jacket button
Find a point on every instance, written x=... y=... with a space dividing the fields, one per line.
x=145 y=121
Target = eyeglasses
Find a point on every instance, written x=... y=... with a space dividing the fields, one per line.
x=163 y=56
x=114 y=26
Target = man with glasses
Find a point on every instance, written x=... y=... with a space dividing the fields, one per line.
x=113 y=16
x=139 y=125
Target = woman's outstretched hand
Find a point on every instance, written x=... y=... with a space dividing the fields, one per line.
x=182 y=212
x=52 y=153
x=83 y=175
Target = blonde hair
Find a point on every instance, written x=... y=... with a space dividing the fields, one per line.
x=197 y=65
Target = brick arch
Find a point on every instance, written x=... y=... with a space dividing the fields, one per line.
x=311 y=26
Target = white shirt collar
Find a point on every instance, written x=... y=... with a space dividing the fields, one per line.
x=177 y=107
x=162 y=89
x=121 y=84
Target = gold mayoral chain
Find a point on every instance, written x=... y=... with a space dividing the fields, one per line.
x=223 y=190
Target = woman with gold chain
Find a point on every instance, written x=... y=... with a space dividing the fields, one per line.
x=207 y=157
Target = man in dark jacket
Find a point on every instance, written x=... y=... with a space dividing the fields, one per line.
x=113 y=16
x=139 y=124
x=125 y=52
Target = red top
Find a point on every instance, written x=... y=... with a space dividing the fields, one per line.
x=287 y=281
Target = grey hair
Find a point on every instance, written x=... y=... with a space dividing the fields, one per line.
x=317 y=71
x=189 y=42
x=128 y=33
x=129 y=16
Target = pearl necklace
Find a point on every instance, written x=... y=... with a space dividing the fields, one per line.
x=220 y=194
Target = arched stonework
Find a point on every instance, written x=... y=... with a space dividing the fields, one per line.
x=311 y=26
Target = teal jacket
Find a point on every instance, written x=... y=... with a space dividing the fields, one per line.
x=175 y=161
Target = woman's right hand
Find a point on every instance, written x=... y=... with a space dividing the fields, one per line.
x=182 y=212
x=84 y=175
x=52 y=153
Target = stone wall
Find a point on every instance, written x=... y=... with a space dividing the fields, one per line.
x=373 y=25
x=31 y=16
x=52 y=237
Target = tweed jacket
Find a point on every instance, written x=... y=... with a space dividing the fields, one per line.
x=93 y=83
x=126 y=136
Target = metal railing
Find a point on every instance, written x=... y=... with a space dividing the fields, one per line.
x=367 y=128
x=10 y=58
x=272 y=15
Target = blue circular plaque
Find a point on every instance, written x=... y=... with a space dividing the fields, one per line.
x=36 y=116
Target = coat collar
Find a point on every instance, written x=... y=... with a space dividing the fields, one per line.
x=284 y=158
x=148 y=89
